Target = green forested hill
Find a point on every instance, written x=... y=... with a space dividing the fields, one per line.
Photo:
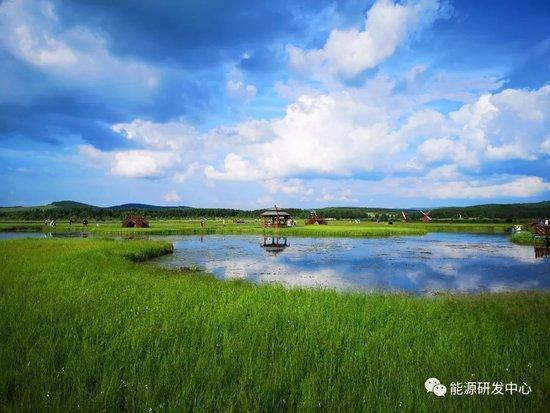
x=492 y=211
x=71 y=205
x=66 y=209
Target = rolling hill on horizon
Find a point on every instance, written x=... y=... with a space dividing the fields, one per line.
x=67 y=208
x=146 y=206
x=75 y=205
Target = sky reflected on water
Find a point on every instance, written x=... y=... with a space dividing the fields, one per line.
x=434 y=262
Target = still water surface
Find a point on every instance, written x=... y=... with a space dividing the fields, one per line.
x=18 y=235
x=419 y=264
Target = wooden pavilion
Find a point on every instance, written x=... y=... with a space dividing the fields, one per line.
x=276 y=217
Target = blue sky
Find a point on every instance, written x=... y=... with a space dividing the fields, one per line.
x=249 y=103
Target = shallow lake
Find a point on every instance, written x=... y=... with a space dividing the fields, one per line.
x=450 y=262
x=419 y=264
x=17 y=235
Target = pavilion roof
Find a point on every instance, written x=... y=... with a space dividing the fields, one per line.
x=273 y=212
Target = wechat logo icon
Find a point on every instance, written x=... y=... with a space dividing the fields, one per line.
x=434 y=386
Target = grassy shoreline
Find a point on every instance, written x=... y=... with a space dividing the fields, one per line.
x=192 y=227
x=526 y=238
x=86 y=327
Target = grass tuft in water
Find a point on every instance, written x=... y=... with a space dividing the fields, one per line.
x=526 y=238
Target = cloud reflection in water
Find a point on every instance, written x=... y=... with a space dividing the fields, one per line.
x=435 y=262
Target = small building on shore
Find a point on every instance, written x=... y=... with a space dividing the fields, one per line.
x=135 y=221
x=315 y=218
x=541 y=228
x=276 y=217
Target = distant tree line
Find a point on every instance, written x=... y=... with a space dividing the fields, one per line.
x=493 y=212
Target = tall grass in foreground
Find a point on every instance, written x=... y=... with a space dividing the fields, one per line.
x=83 y=327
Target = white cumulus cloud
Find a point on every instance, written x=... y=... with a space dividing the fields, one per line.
x=30 y=31
x=293 y=187
x=349 y=52
x=375 y=129
x=344 y=195
x=490 y=187
x=239 y=89
x=142 y=163
x=174 y=135
x=172 y=197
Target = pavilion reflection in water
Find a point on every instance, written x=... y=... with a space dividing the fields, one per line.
x=274 y=245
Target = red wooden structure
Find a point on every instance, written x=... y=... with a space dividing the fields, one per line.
x=425 y=216
x=135 y=221
x=314 y=218
x=541 y=228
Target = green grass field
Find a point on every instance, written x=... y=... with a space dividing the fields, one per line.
x=343 y=228
x=85 y=325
